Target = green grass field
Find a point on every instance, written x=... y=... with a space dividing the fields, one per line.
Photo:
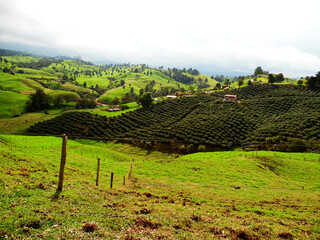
x=23 y=59
x=136 y=77
x=103 y=110
x=11 y=103
x=71 y=86
x=12 y=83
x=161 y=81
x=262 y=79
x=93 y=81
x=168 y=196
x=64 y=94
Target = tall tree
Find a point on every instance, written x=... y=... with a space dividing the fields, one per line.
x=194 y=72
x=37 y=101
x=314 y=82
x=279 y=77
x=145 y=100
x=240 y=81
x=258 y=71
x=271 y=78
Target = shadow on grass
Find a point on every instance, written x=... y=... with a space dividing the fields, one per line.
x=55 y=196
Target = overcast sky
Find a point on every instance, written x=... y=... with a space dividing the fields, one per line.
x=212 y=36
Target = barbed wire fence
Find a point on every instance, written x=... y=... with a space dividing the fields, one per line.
x=63 y=150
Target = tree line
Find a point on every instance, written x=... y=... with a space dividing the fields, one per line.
x=39 y=101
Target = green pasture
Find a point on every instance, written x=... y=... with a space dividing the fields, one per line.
x=29 y=72
x=137 y=85
x=248 y=169
x=11 y=103
x=262 y=79
x=12 y=83
x=23 y=59
x=102 y=110
x=31 y=84
x=191 y=196
x=75 y=64
x=22 y=123
x=69 y=66
x=211 y=82
x=74 y=87
x=84 y=157
x=63 y=94
x=93 y=81
x=49 y=71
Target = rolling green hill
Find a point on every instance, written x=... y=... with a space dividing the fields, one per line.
x=61 y=78
x=261 y=79
x=18 y=82
x=12 y=103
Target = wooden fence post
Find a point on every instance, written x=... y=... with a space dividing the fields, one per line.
x=98 y=169
x=111 y=182
x=63 y=161
x=130 y=172
x=124 y=180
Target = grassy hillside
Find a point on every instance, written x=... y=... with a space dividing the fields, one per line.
x=12 y=104
x=12 y=83
x=22 y=123
x=261 y=79
x=73 y=97
x=139 y=81
x=167 y=196
x=23 y=59
x=58 y=78
x=21 y=81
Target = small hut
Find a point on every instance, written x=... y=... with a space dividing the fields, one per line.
x=229 y=97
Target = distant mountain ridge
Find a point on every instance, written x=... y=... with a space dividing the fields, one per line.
x=8 y=52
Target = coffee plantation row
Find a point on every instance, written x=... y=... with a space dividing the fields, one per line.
x=264 y=117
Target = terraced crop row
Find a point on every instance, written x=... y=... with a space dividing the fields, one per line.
x=266 y=115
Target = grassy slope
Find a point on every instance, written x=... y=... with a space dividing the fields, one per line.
x=23 y=59
x=12 y=83
x=75 y=88
x=11 y=103
x=262 y=79
x=194 y=199
x=161 y=80
x=211 y=82
x=21 y=124
x=103 y=81
x=18 y=86
x=56 y=93
x=103 y=110
x=92 y=81
x=20 y=82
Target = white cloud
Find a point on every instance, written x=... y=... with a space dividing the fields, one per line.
x=280 y=36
